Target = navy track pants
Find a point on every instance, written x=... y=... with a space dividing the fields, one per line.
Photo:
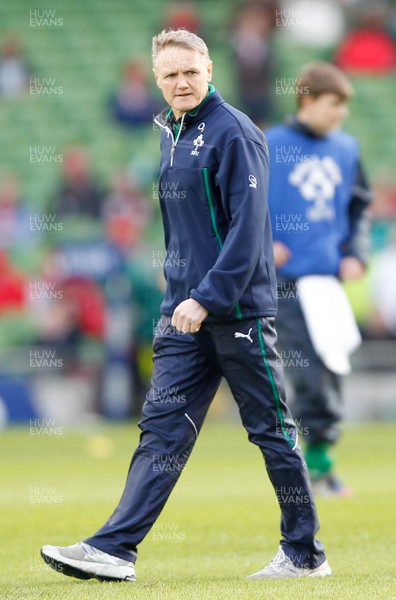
x=187 y=372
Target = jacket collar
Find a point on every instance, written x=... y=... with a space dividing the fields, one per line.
x=294 y=123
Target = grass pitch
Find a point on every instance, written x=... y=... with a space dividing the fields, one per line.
x=220 y=524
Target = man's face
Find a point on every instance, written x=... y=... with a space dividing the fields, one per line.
x=182 y=74
x=324 y=113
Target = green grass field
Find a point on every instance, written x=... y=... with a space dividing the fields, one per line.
x=221 y=523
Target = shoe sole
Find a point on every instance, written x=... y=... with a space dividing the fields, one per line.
x=71 y=570
x=323 y=570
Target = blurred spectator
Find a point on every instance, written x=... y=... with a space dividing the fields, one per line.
x=317 y=24
x=183 y=14
x=126 y=212
x=147 y=295
x=383 y=286
x=12 y=285
x=87 y=300
x=14 y=70
x=67 y=309
x=78 y=194
x=250 y=41
x=134 y=103
x=14 y=217
x=368 y=48
x=385 y=196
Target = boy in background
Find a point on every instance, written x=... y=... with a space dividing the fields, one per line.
x=318 y=199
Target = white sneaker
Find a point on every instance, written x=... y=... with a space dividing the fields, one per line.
x=84 y=562
x=330 y=486
x=281 y=567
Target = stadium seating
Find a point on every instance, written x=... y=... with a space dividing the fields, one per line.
x=85 y=55
x=82 y=59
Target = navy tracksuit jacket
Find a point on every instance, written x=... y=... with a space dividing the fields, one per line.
x=218 y=221
x=213 y=194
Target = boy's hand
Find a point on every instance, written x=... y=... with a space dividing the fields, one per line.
x=351 y=269
x=281 y=254
x=188 y=316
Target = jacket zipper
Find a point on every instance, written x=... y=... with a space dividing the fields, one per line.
x=172 y=151
x=174 y=141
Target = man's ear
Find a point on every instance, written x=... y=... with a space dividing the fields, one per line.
x=209 y=70
x=156 y=78
x=307 y=100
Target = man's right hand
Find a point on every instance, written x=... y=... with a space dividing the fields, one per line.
x=282 y=254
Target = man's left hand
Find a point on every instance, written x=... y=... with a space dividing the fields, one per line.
x=351 y=269
x=188 y=316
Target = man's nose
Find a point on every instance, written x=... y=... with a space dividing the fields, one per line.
x=181 y=82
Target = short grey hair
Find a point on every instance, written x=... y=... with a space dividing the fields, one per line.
x=178 y=37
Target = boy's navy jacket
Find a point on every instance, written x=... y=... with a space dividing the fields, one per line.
x=212 y=189
x=318 y=196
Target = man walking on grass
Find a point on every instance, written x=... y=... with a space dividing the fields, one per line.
x=217 y=321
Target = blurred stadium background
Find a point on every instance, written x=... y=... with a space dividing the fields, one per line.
x=81 y=243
